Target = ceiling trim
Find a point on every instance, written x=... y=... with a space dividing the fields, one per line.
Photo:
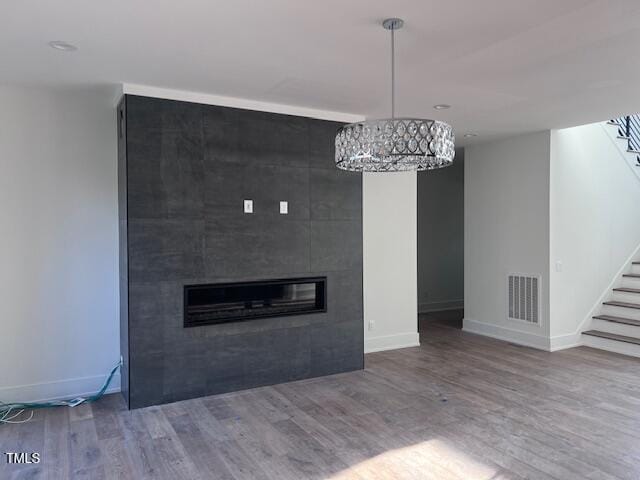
x=245 y=104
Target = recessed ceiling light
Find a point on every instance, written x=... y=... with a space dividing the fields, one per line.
x=441 y=106
x=470 y=135
x=63 y=46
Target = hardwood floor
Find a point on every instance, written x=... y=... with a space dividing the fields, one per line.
x=460 y=406
x=449 y=318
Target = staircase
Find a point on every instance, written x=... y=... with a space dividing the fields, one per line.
x=616 y=327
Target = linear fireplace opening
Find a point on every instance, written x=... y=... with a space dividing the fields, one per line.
x=233 y=302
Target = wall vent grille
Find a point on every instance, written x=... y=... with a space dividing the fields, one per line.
x=524 y=298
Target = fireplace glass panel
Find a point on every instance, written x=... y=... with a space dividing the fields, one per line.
x=221 y=303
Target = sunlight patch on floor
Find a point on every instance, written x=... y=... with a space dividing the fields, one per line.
x=430 y=459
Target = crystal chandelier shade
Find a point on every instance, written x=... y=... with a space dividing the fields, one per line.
x=394 y=144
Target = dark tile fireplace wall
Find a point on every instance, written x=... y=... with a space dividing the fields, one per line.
x=184 y=171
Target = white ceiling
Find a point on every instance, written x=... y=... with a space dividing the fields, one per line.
x=505 y=66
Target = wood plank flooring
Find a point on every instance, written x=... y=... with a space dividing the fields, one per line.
x=460 y=406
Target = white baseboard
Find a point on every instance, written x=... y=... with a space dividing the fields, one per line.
x=441 y=306
x=562 y=342
x=391 y=342
x=58 y=390
x=518 y=337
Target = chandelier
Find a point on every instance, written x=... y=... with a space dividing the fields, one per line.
x=394 y=144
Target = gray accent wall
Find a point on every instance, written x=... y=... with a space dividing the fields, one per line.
x=441 y=237
x=123 y=247
x=187 y=168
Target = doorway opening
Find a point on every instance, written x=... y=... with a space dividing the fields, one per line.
x=441 y=247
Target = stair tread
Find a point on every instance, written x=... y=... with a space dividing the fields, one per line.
x=632 y=275
x=612 y=336
x=627 y=290
x=622 y=304
x=612 y=318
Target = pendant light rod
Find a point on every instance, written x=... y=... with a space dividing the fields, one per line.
x=393 y=24
x=393 y=75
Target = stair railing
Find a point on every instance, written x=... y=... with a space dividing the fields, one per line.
x=629 y=129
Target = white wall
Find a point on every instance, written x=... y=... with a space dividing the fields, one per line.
x=506 y=198
x=58 y=248
x=390 y=260
x=441 y=237
x=595 y=197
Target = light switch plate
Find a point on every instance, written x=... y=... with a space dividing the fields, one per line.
x=284 y=208
x=248 y=206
